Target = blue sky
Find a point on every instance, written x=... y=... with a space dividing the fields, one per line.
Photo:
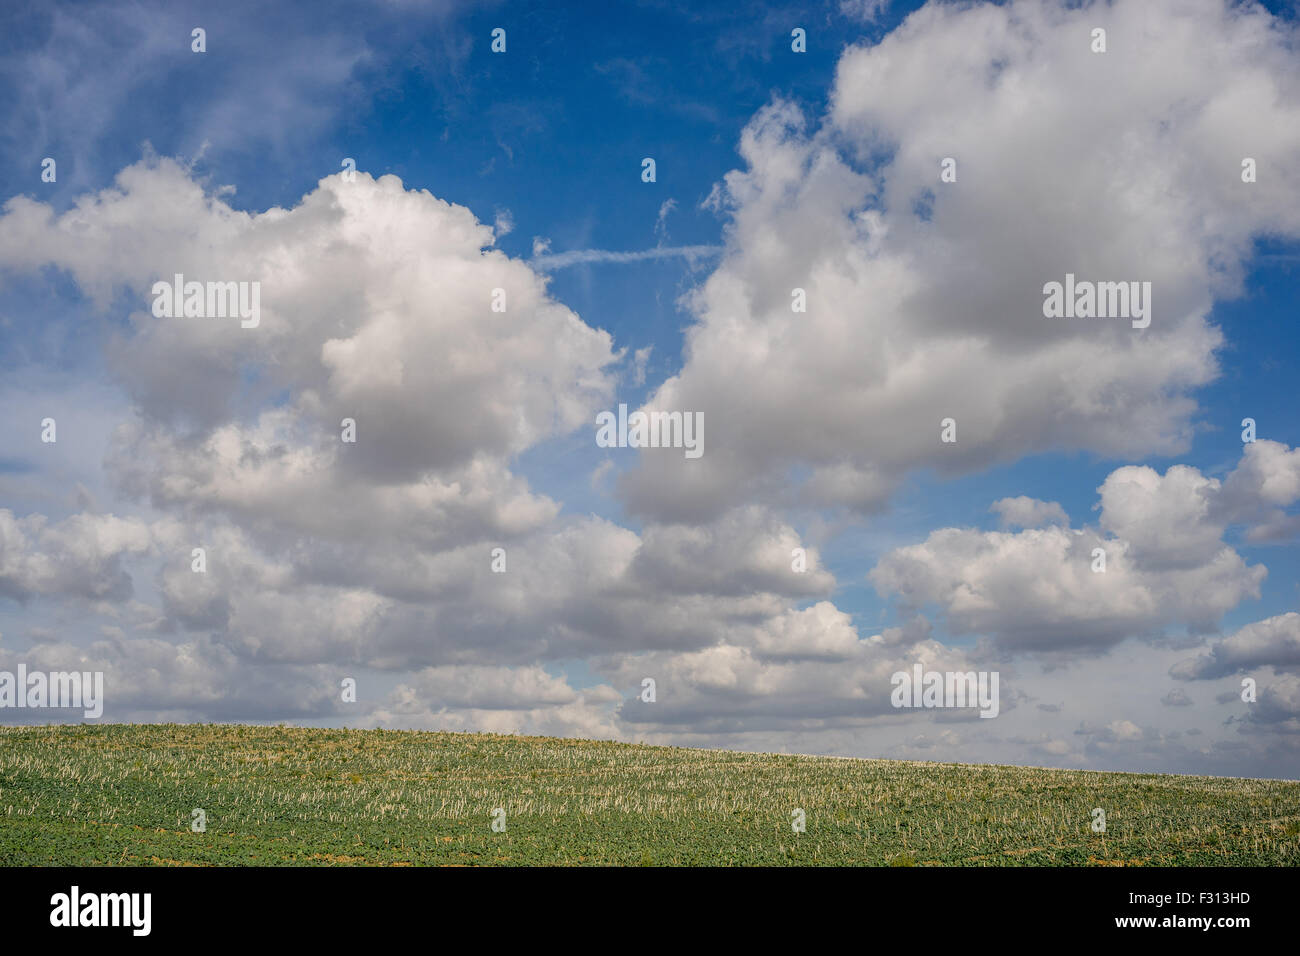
x=546 y=141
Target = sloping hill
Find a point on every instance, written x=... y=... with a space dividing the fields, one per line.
x=125 y=794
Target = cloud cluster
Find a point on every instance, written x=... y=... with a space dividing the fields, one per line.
x=392 y=308
x=924 y=298
x=1157 y=558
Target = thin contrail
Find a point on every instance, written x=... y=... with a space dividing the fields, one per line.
x=561 y=260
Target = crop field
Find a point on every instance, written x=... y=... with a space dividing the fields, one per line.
x=128 y=795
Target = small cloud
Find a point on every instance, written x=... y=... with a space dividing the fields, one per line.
x=1117 y=731
x=867 y=11
x=600 y=473
x=1026 y=512
x=505 y=223
x=639 y=359
x=1124 y=730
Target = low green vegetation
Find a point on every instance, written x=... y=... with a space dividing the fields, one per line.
x=123 y=794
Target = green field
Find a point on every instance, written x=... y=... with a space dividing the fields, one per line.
x=121 y=794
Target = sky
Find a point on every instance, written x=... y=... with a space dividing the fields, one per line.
x=460 y=251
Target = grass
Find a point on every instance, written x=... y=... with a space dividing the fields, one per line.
x=124 y=794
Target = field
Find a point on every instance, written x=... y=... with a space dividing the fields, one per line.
x=122 y=794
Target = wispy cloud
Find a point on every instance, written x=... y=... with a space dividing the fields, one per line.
x=661 y=223
x=868 y=11
x=561 y=260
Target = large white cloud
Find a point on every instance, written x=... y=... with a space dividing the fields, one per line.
x=376 y=305
x=924 y=299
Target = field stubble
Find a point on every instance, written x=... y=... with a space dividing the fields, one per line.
x=124 y=794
